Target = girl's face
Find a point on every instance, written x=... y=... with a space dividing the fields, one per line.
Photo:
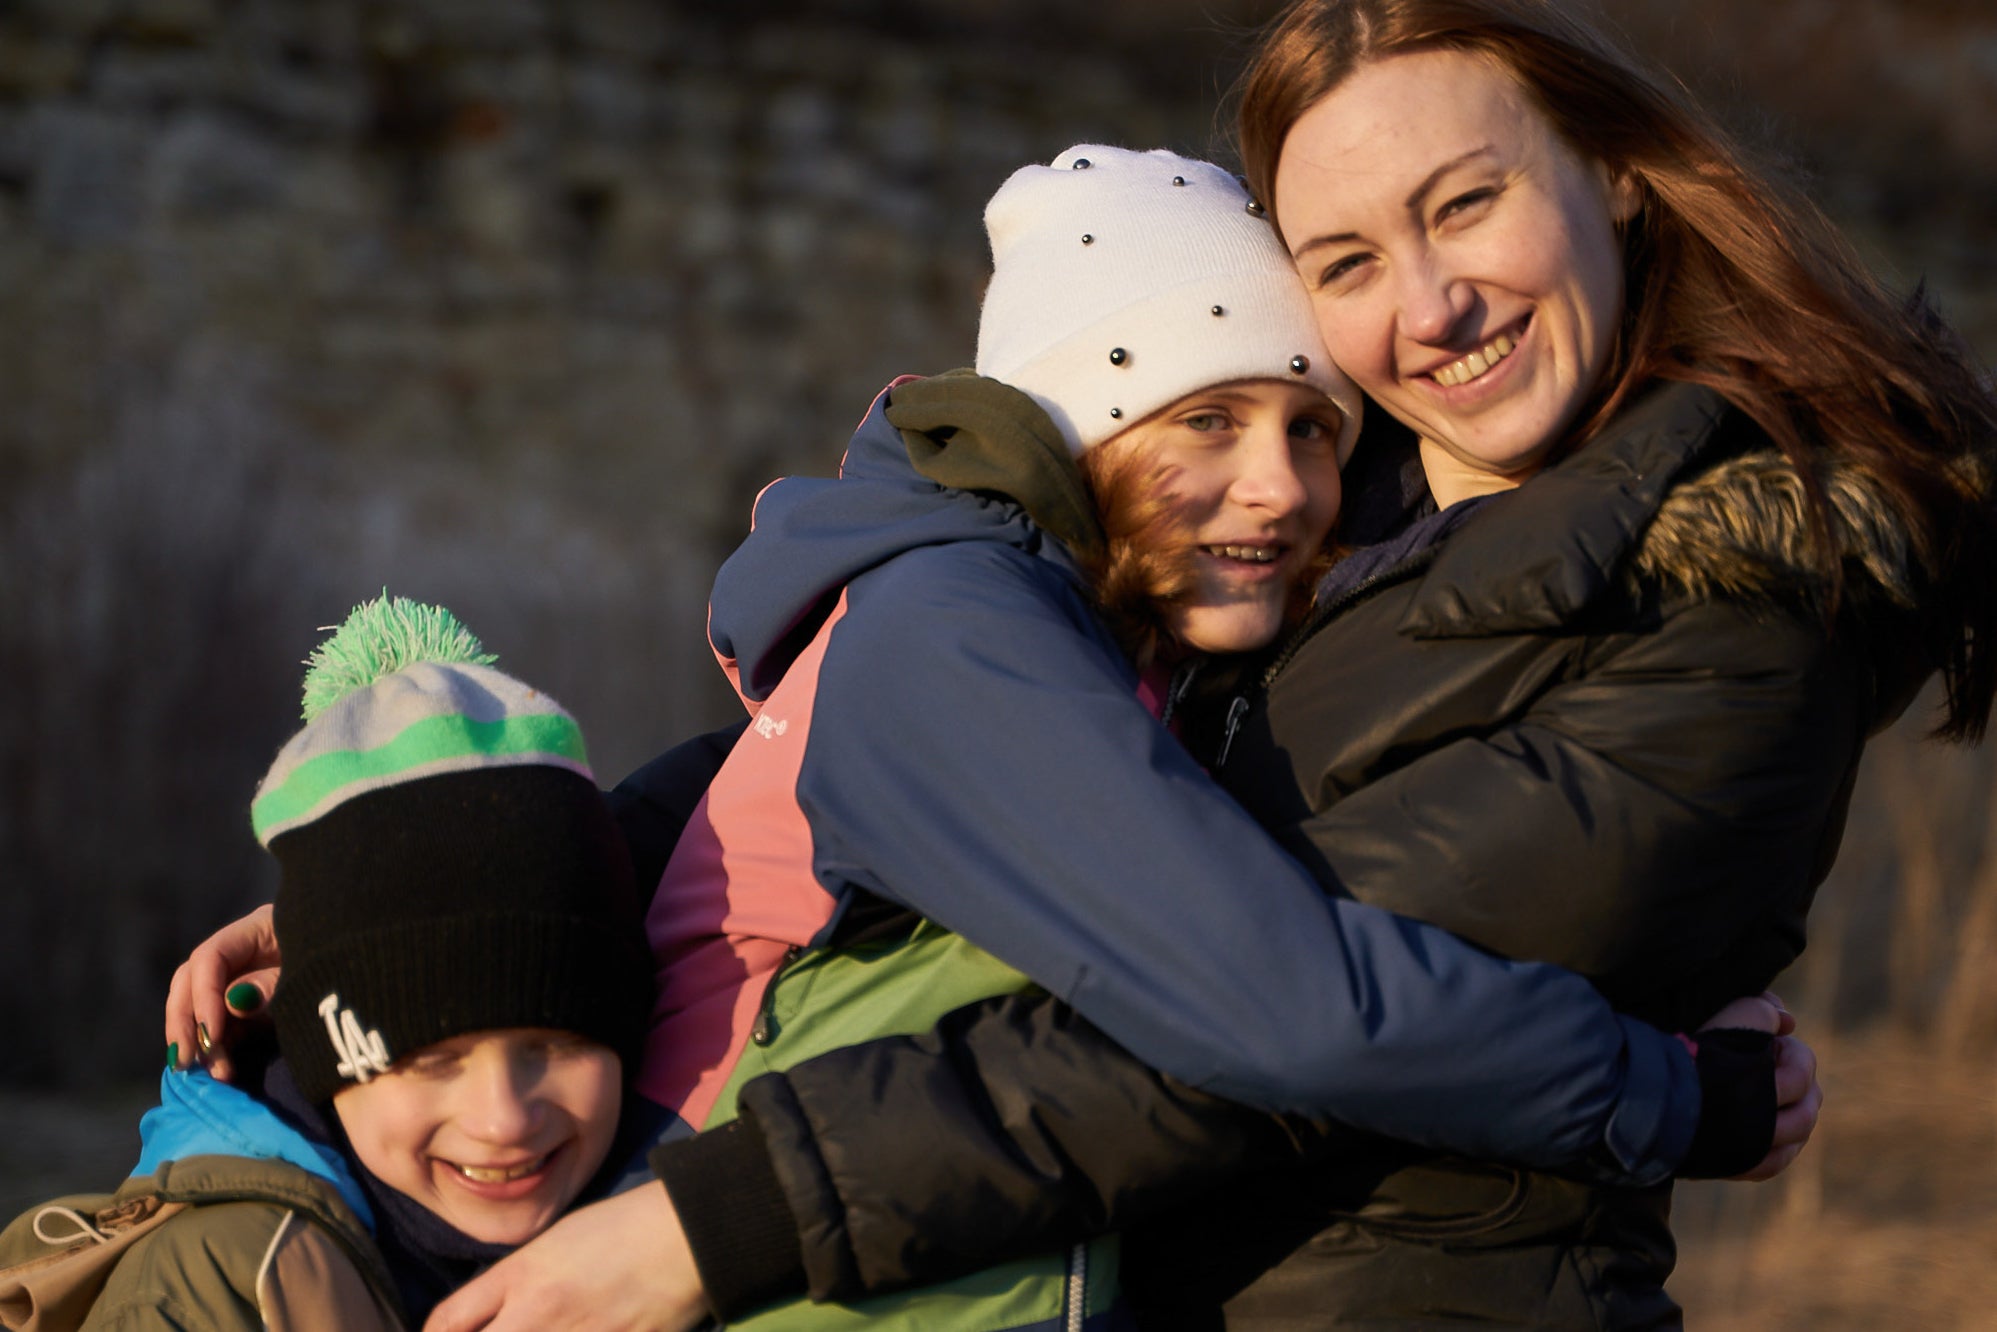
x=1252 y=468
x=1463 y=260
x=494 y=1131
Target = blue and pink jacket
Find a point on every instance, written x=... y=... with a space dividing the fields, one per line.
x=940 y=719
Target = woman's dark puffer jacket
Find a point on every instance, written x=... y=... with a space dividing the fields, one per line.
x=1605 y=724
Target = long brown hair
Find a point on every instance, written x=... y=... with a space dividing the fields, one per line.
x=1734 y=281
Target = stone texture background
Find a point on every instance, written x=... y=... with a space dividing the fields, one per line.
x=507 y=304
x=514 y=304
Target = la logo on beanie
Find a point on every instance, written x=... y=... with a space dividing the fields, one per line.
x=362 y=1053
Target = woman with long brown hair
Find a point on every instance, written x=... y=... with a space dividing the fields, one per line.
x=1731 y=280
x=1670 y=506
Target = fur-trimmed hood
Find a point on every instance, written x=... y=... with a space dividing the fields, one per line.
x=1683 y=496
x=1741 y=529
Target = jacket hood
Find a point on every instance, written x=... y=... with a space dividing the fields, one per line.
x=978 y=444
x=1685 y=495
x=199 y=1116
x=1741 y=529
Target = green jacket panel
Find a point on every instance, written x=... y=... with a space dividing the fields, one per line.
x=828 y=999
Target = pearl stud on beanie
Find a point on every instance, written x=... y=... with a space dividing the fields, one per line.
x=1122 y=281
x=448 y=865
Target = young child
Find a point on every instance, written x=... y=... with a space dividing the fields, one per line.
x=465 y=985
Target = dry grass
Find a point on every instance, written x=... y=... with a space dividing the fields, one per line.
x=1888 y=1221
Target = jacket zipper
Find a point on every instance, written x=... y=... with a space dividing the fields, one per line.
x=765 y=1028
x=1320 y=616
x=1078 y=1288
x=1181 y=684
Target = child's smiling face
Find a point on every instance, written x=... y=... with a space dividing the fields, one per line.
x=1251 y=469
x=494 y=1131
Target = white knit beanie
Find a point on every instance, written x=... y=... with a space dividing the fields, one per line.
x=1122 y=281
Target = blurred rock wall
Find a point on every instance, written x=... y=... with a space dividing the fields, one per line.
x=514 y=305
x=510 y=304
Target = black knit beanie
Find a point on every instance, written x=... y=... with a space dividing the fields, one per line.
x=448 y=864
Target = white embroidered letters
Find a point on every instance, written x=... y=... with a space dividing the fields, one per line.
x=768 y=726
x=362 y=1053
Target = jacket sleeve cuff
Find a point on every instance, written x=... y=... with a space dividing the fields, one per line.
x=1652 y=1126
x=737 y=1221
x=1736 y=1106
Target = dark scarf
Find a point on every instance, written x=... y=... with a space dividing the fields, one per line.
x=1428 y=530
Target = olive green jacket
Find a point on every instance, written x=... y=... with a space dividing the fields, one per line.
x=220 y=1243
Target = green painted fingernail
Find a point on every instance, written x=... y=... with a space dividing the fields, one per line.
x=244 y=997
x=173 y=1054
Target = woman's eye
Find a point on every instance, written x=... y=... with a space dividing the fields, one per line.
x=1464 y=204
x=1204 y=422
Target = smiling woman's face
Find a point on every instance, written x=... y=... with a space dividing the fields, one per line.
x=1463 y=260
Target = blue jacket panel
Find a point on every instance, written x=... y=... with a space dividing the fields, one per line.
x=200 y=1116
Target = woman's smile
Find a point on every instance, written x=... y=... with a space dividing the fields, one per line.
x=1477 y=364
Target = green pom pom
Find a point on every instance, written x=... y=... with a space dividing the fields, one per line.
x=379 y=638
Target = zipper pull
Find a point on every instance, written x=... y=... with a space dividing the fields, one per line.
x=1237 y=712
x=765 y=1029
x=1181 y=684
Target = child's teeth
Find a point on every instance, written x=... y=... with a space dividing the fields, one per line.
x=500 y=1174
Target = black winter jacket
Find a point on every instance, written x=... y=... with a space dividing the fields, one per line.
x=1605 y=724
